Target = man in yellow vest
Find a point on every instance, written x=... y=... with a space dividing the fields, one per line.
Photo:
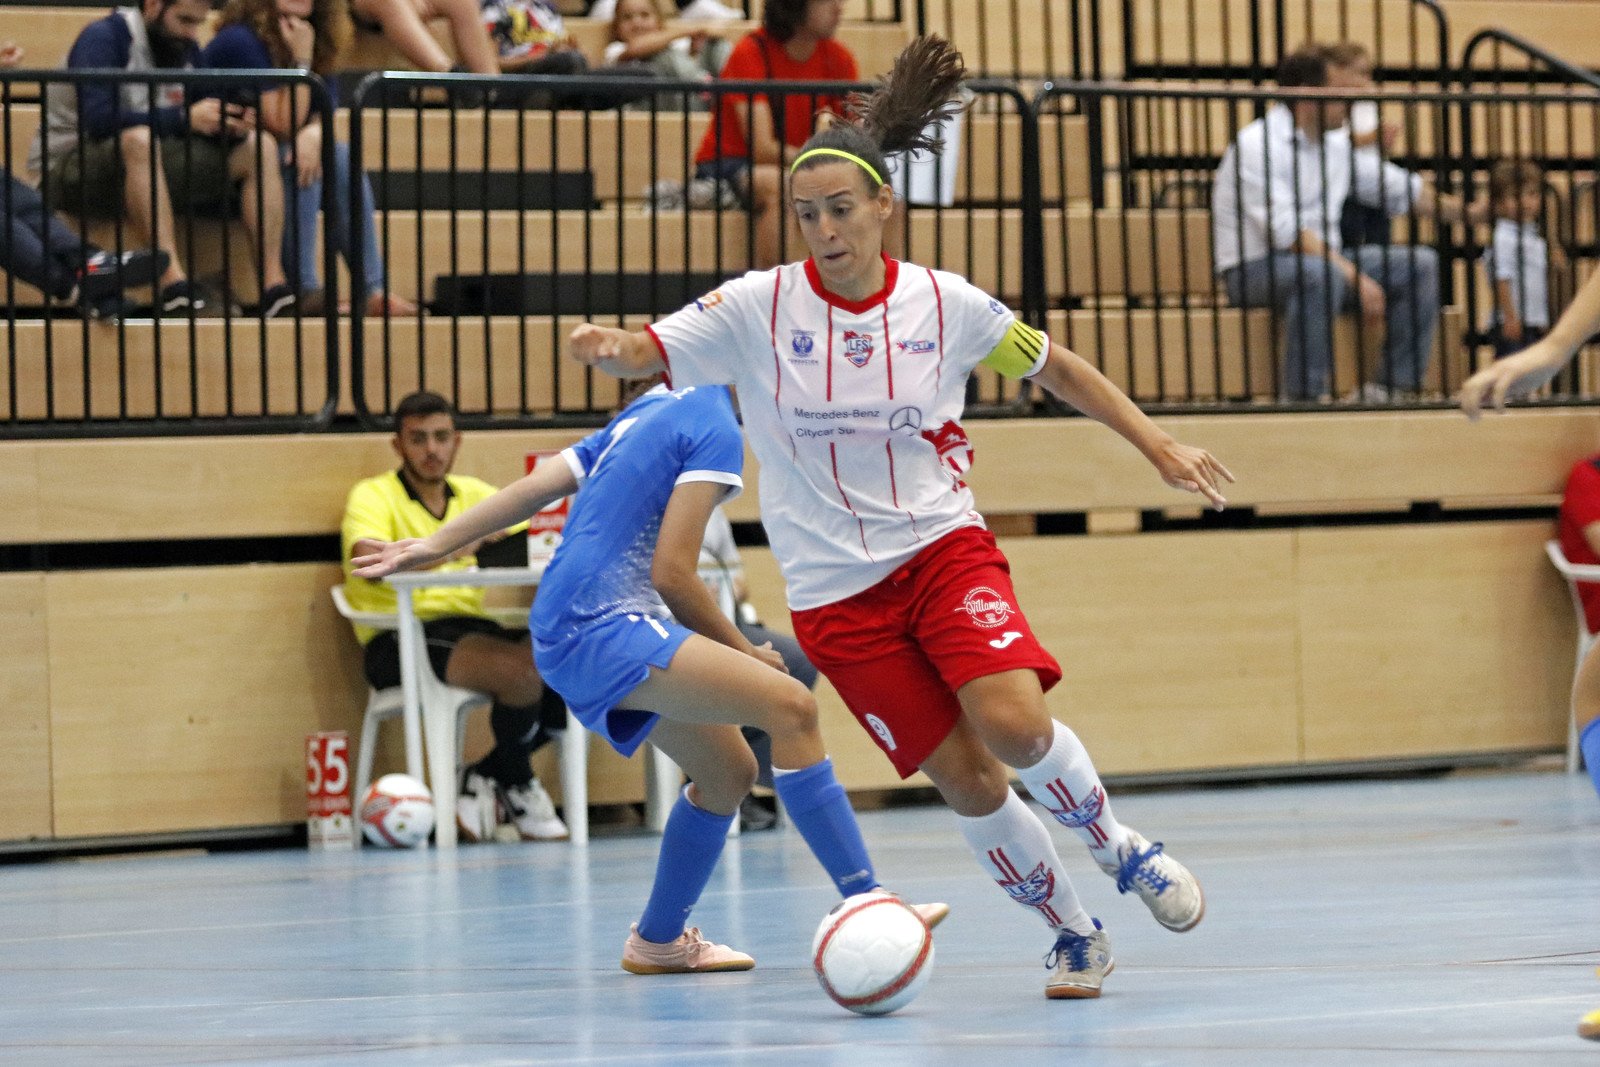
x=465 y=647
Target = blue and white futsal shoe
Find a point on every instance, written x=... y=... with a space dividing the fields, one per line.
x=1167 y=888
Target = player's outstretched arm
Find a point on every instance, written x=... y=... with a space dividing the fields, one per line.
x=548 y=483
x=1539 y=362
x=1181 y=466
x=616 y=352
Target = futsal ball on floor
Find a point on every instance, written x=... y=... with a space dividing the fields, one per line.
x=397 y=812
x=872 y=954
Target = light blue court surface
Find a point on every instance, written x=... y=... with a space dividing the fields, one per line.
x=1413 y=921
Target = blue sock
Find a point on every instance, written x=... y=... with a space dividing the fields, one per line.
x=690 y=847
x=1589 y=743
x=821 y=812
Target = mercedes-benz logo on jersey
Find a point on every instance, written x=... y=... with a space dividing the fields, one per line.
x=986 y=607
x=804 y=341
x=906 y=420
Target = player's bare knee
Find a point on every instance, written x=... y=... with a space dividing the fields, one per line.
x=793 y=710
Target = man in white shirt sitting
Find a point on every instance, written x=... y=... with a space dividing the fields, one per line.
x=1275 y=207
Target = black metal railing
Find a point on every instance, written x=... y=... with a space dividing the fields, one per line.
x=1141 y=278
x=537 y=215
x=81 y=361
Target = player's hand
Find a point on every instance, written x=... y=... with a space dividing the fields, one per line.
x=601 y=347
x=769 y=655
x=379 y=559
x=1195 y=470
x=1526 y=370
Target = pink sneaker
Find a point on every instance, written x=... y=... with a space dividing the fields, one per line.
x=690 y=953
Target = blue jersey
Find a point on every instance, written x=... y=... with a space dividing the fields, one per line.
x=626 y=473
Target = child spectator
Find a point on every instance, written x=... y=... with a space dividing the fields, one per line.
x=638 y=36
x=1517 y=260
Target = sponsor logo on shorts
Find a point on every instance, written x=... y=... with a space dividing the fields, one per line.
x=986 y=608
x=1005 y=640
x=857 y=347
x=881 y=728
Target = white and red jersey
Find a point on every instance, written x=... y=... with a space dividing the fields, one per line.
x=852 y=407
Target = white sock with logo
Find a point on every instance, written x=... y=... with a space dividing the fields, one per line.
x=1014 y=848
x=1066 y=783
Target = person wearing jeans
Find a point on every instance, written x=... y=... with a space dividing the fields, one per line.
x=1275 y=208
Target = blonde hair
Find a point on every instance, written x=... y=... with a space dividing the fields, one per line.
x=616 y=16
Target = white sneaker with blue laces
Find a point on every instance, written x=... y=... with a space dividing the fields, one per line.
x=1166 y=886
x=1078 y=964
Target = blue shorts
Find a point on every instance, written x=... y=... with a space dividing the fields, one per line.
x=594 y=668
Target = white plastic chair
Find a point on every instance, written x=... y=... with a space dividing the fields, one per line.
x=434 y=694
x=384 y=704
x=1575 y=573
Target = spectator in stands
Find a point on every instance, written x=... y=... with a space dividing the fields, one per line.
x=1517 y=261
x=309 y=34
x=709 y=10
x=532 y=38
x=465 y=646
x=1276 y=242
x=744 y=145
x=404 y=24
x=639 y=36
x=1363 y=224
x=206 y=148
x=41 y=250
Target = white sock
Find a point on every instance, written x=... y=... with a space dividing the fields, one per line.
x=1065 y=782
x=1015 y=849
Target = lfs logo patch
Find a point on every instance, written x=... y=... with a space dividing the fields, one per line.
x=857 y=347
x=1034 y=891
x=986 y=608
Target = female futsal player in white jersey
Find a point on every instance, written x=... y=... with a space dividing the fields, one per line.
x=851 y=369
x=1528 y=370
x=604 y=639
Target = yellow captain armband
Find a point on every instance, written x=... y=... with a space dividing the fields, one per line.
x=1020 y=353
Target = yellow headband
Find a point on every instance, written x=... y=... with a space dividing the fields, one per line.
x=842 y=154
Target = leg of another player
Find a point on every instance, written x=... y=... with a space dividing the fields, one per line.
x=1586 y=711
x=709 y=683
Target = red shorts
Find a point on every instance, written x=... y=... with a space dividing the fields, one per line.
x=897 y=652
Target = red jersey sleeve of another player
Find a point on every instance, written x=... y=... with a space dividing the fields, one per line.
x=1580 y=505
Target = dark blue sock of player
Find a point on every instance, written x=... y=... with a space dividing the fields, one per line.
x=1589 y=743
x=690 y=847
x=821 y=812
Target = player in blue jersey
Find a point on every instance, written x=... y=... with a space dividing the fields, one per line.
x=626 y=632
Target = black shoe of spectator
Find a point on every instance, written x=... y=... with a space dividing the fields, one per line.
x=277 y=302
x=757 y=813
x=183 y=297
x=110 y=309
x=107 y=274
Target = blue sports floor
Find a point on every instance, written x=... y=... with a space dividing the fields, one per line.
x=1409 y=921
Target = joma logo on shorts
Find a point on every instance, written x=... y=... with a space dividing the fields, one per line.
x=881 y=728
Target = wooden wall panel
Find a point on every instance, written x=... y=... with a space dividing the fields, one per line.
x=24 y=709
x=1432 y=639
x=1178 y=649
x=181 y=697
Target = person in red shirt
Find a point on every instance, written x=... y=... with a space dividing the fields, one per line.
x=744 y=144
x=1580 y=531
